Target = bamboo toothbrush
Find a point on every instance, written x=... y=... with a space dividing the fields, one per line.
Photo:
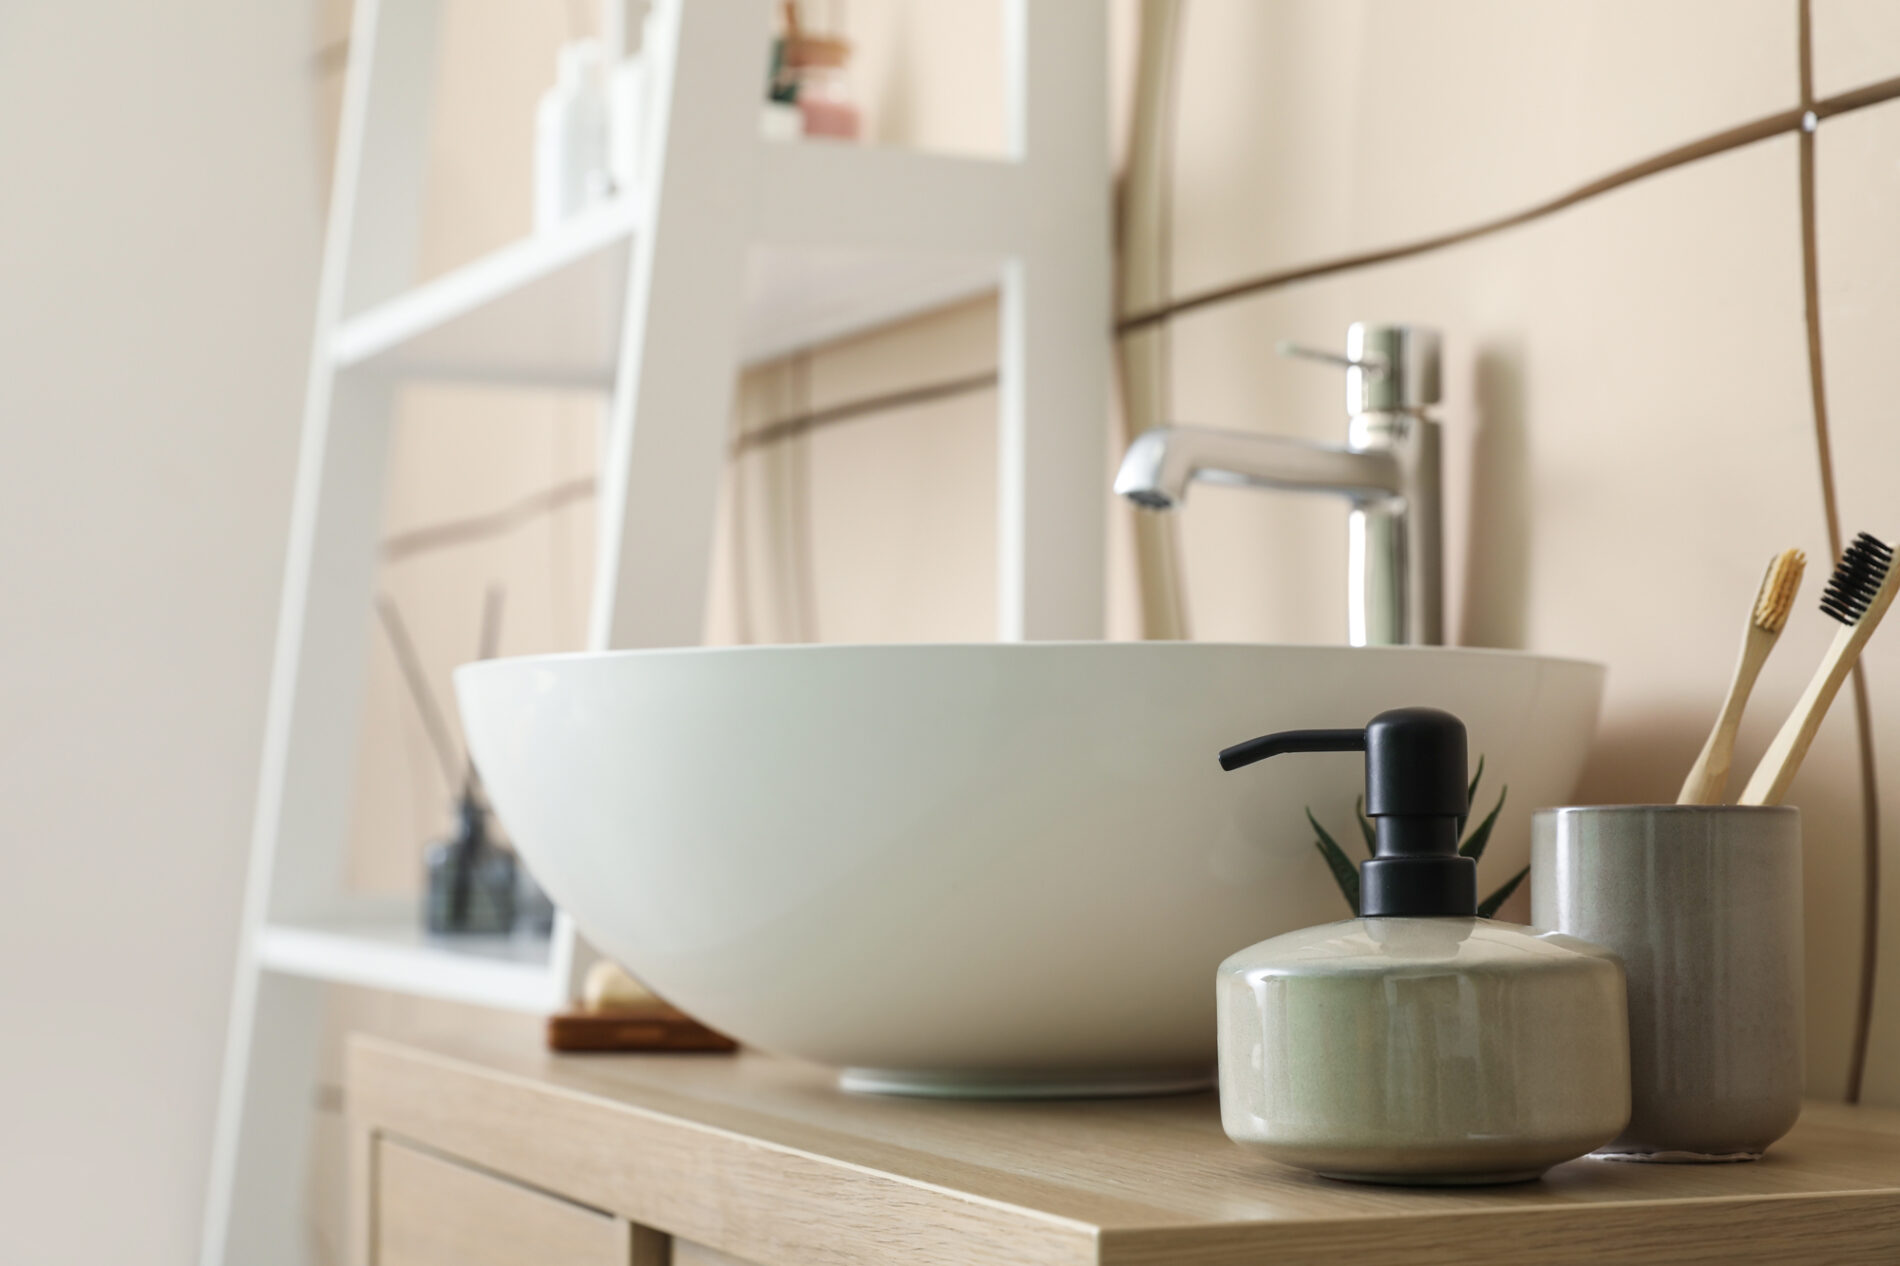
x=1858 y=594
x=1709 y=775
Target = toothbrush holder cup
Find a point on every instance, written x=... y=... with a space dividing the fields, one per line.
x=1703 y=904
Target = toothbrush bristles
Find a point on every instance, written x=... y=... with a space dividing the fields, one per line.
x=1778 y=588
x=1856 y=579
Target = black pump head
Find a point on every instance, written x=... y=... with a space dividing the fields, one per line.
x=1416 y=796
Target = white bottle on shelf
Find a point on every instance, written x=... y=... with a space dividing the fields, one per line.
x=629 y=93
x=627 y=122
x=570 y=137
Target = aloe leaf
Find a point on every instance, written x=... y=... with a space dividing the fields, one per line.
x=1344 y=873
x=1365 y=826
x=1489 y=907
x=1471 y=792
x=1481 y=835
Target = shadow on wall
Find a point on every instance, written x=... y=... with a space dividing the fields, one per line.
x=1640 y=757
x=1637 y=759
x=1497 y=552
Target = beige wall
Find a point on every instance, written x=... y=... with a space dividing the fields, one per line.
x=159 y=227
x=1628 y=405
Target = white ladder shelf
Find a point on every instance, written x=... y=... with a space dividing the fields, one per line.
x=736 y=250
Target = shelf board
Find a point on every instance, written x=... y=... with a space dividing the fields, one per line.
x=797 y=299
x=544 y=309
x=513 y=973
x=547 y=310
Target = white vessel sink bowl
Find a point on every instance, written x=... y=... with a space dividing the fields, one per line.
x=973 y=869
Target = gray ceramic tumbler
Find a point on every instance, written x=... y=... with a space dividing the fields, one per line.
x=1703 y=904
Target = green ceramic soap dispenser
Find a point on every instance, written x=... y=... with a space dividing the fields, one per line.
x=1418 y=1043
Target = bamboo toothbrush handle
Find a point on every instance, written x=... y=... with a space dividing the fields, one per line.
x=1784 y=756
x=1708 y=777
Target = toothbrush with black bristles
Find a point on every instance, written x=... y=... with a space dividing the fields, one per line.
x=1858 y=594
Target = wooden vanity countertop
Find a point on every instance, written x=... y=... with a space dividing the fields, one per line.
x=766 y=1160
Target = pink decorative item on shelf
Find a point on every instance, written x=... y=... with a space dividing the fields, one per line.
x=817 y=65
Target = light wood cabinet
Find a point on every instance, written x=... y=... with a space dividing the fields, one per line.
x=429 y=1210
x=492 y=1151
x=434 y=1212
x=687 y=1253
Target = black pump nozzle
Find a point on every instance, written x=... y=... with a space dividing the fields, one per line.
x=1266 y=745
x=1416 y=795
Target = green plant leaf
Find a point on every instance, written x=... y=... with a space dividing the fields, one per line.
x=1488 y=908
x=1345 y=874
x=1481 y=835
x=1365 y=826
x=1471 y=793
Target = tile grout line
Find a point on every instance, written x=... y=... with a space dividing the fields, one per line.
x=1760 y=129
x=1811 y=295
x=1830 y=507
x=1870 y=882
x=474 y=527
x=812 y=420
x=1804 y=52
x=442 y=534
x=805 y=624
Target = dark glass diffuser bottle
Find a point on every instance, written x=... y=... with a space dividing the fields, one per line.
x=471 y=879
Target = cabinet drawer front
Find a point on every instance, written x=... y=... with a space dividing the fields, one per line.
x=432 y=1212
x=687 y=1253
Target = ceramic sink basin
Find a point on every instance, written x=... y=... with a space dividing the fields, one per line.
x=972 y=869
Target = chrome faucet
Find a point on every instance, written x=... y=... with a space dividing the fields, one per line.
x=1388 y=471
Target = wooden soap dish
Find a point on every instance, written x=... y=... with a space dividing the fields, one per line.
x=647 y=1026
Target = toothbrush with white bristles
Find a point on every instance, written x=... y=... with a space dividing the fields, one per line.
x=1858 y=594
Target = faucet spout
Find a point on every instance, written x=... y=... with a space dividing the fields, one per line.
x=1387 y=473
x=1163 y=461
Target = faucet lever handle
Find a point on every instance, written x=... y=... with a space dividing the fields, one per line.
x=1387 y=366
x=1373 y=363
